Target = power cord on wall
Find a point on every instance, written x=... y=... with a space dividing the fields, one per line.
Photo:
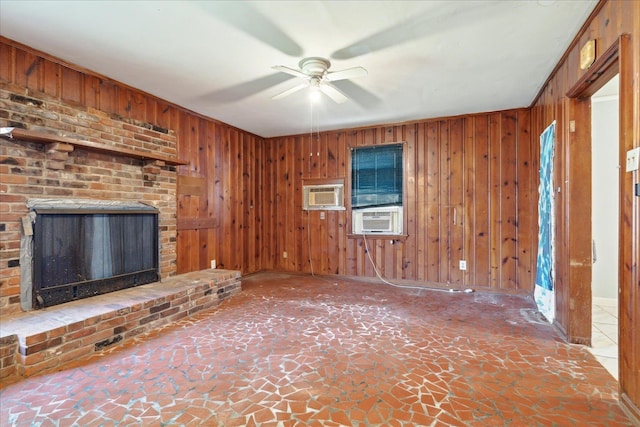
x=385 y=281
x=313 y=274
x=309 y=172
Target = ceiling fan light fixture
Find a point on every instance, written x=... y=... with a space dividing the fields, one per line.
x=315 y=81
x=315 y=71
x=314 y=93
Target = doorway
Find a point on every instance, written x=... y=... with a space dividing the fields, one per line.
x=605 y=224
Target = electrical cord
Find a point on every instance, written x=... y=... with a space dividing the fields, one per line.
x=309 y=169
x=396 y=285
x=313 y=274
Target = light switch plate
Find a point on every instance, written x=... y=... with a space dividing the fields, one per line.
x=633 y=159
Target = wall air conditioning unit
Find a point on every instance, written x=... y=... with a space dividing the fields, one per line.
x=323 y=197
x=381 y=220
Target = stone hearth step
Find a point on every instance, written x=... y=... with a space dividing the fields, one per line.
x=42 y=340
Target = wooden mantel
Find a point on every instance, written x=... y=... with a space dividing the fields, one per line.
x=47 y=138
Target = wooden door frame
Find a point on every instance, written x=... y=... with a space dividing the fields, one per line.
x=617 y=59
x=578 y=202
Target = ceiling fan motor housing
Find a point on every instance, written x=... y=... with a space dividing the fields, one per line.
x=314 y=66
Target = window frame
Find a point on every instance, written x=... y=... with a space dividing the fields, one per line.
x=348 y=190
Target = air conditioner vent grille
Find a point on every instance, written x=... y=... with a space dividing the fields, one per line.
x=376 y=214
x=387 y=220
x=323 y=197
x=376 y=224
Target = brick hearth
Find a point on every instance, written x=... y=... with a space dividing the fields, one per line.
x=43 y=340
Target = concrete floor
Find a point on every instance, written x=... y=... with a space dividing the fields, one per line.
x=300 y=351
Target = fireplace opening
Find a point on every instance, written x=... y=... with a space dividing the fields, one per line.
x=82 y=249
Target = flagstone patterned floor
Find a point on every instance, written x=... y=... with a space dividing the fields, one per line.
x=300 y=351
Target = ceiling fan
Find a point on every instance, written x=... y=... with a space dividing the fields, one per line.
x=315 y=72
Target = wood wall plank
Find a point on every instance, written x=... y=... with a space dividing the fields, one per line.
x=33 y=72
x=508 y=214
x=481 y=264
x=72 y=90
x=108 y=96
x=52 y=79
x=91 y=92
x=468 y=204
x=420 y=216
x=456 y=201
x=7 y=67
x=495 y=200
x=409 y=267
x=432 y=225
x=527 y=190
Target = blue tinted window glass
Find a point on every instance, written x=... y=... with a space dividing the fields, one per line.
x=376 y=176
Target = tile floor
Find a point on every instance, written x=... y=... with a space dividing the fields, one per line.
x=300 y=351
x=604 y=333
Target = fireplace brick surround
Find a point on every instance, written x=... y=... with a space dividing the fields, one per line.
x=60 y=170
x=33 y=342
x=36 y=342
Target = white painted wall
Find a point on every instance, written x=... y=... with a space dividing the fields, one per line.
x=605 y=192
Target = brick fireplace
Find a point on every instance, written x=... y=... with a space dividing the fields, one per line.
x=70 y=154
x=60 y=152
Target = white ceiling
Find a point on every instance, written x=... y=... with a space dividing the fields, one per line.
x=425 y=58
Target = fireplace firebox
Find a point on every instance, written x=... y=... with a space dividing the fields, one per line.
x=87 y=248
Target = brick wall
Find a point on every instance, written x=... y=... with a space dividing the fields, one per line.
x=35 y=170
x=8 y=359
x=47 y=339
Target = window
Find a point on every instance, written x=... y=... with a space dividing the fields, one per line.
x=376 y=176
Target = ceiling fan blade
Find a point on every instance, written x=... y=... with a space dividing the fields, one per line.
x=374 y=43
x=349 y=73
x=290 y=91
x=431 y=21
x=333 y=93
x=291 y=71
x=358 y=94
x=246 y=18
x=249 y=88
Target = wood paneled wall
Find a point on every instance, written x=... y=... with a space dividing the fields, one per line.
x=471 y=194
x=608 y=25
x=219 y=197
